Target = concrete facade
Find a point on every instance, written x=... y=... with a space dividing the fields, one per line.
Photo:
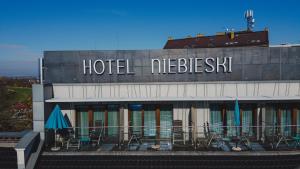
x=259 y=75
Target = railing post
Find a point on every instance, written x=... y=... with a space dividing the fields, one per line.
x=126 y=124
x=263 y=124
x=20 y=158
x=25 y=147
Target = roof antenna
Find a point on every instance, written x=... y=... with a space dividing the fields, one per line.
x=227 y=30
x=250 y=19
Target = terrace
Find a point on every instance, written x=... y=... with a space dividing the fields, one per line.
x=203 y=138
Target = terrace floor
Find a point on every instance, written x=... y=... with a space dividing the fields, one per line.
x=167 y=146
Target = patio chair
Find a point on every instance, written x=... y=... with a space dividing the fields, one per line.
x=202 y=141
x=214 y=137
x=270 y=136
x=177 y=132
x=96 y=135
x=296 y=140
x=245 y=140
x=62 y=140
x=283 y=137
x=245 y=136
x=72 y=141
x=135 y=136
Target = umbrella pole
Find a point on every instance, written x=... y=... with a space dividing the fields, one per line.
x=55 y=138
x=236 y=143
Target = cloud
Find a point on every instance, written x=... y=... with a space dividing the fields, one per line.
x=118 y=12
x=18 y=60
x=113 y=12
x=17 y=52
x=11 y=46
x=18 y=68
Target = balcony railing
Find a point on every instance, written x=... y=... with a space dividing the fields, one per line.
x=205 y=137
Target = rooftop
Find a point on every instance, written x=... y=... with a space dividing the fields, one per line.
x=222 y=39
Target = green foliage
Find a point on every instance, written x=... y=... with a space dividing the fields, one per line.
x=10 y=110
x=19 y=94
x=3 y=98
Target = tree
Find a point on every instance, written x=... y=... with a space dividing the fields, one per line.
x=3 y=97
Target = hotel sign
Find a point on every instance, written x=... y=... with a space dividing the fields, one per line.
x=160 y=66
x=176 y=65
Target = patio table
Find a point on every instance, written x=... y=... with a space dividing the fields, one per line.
x=236 y=140
x=297 y=141
x=282 y=138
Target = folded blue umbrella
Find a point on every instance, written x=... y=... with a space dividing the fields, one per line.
x=237 y=113
x=56 y=120
x=236 y=118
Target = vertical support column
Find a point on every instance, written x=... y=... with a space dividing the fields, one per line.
x=258 y=123
x=38 y=109
x=186 y=111
x=194 y=121
x=41 y=71
x=68 y=109
x=181 y=112
x=294 y=120
x=157 y=117
x=20 y=158
x=121 y=124
x=72 y=115
x=125 y=122
x=263 y=124
x=202 y=116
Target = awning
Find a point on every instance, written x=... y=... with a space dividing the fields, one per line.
x=226 y=98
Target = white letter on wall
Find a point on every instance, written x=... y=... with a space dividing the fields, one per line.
x=87 y=67
x=152 y=65
x=164 y=66
x=128 y=70
x=191 y=65
x=109 y=66
x=120 y=66
x=182 y=65
x=95 y=68
x=196 y=65
x=170 y=65
x=221 y=64
x=212 y=68
x=229 y=64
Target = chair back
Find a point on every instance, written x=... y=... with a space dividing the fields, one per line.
x=177 y=126
x=98 y=127
x=205 y=130
x=208 y=129
x=133 y=130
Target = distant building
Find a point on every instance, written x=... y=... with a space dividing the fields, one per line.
x=222 y=39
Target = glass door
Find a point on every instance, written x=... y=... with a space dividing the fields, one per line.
x=271 y=120
x=99 y=120
x=215 y=119
x=149 y=121
x=247 y=121
x=113 y=120
x=298 y=123
x=166 y=119
x=135 y=118
x=83 y=126
x=285 y=122
x=231 y=128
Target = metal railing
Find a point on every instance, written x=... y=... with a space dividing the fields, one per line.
x=272 y=136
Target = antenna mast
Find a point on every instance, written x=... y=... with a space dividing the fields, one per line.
x=250 y=19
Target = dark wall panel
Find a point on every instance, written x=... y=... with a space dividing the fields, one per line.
x=248 y=64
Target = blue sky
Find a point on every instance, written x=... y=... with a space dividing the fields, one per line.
x=28 y=27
